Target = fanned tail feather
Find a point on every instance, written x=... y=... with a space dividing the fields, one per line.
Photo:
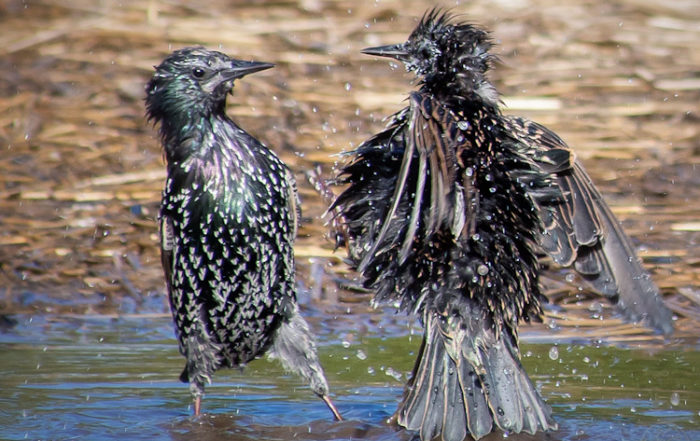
x=482 y=388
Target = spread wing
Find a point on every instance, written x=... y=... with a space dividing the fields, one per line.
x=582 y=232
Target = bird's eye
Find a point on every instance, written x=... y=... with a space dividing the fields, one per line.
x=198 y=72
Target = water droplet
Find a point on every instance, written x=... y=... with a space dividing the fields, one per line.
x=476 y=236
x=346 y=344
x=348 y=86
x=370 y=370
x=570 y=277
x=361 y=354
x=554 y=353
x=675 y=399
x=482 y=270
x=463 y=125
x=469 y=172
x=393 y=373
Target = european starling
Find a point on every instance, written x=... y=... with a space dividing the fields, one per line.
x=228 y=220
x=445 y=212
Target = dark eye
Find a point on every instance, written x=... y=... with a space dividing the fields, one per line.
x=198 y=72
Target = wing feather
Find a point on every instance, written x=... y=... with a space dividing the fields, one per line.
x=431 y=144
x=581 y=231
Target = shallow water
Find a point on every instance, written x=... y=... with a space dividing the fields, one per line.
x=97 y=377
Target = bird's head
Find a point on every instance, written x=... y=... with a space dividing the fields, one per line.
x=446 y=54
x=192 y=80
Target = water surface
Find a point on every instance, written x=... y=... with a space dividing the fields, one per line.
x=99 y=377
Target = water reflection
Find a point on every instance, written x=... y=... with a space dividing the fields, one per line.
x=116 y=378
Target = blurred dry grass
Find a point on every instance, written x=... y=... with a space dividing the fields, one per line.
x=82 y=170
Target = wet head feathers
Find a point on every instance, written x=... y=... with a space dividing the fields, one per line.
x=450 y=56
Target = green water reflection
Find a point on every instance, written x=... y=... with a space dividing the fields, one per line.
x=107 y=379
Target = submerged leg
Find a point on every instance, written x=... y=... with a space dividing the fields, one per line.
x=197 y=405
x=332 y=407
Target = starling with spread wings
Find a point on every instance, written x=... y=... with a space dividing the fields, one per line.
x=445 y=211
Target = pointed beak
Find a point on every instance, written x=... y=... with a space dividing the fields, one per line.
x=240 y=69
x=395 y=51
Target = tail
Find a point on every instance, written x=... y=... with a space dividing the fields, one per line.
x=293 y=345
x=466 y=383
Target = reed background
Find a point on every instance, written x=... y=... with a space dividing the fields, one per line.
x=81 y=170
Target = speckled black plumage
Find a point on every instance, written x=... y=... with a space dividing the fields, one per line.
x=445 y=211
x=228 y=222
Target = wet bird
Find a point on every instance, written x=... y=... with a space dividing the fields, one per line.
x=445 y=212
x=228 y=220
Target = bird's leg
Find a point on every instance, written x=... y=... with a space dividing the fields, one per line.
x=201 y=364
x=197 y=405
x=332 y=407
x=294 y=346
x=197 y=391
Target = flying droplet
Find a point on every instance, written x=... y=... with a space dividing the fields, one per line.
x=482 y=270
x=463 y=125
x=554 y=353
x=675 y=399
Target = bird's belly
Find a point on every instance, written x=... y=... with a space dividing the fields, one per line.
x=246 y=337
